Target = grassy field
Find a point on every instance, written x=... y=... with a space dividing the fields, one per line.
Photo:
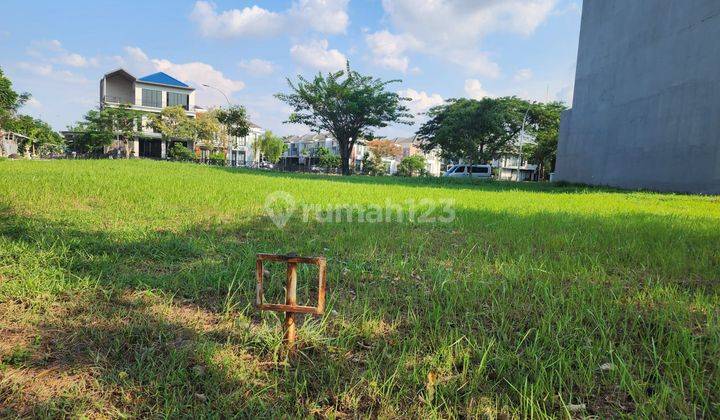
x=126 y=289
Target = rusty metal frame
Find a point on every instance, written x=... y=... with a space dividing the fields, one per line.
x=291 y=307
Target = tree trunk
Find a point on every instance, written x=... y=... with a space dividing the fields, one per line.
x=345 y=159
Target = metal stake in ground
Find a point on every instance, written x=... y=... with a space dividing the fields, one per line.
x=291 y=307
x=290 y=300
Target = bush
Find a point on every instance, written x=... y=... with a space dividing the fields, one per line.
x=217 y=159
x=373 y=165
x=179 y=152
x=411 y=166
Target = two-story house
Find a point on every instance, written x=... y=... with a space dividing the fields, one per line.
x=149 y=94
x=300 y=153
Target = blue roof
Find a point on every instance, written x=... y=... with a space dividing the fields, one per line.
x=163 y=79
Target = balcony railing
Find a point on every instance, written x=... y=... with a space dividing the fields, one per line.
x=118 y=100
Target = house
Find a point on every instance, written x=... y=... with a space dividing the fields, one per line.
x=148 y=94
x=410 y=147
x=507 y=168
x=301 y=150
x=9 y=143
x=242 y=151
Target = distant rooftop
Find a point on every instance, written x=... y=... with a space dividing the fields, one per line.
x=161 y=78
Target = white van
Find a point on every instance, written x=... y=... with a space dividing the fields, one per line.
x=476 y=171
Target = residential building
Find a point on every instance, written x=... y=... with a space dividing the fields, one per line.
x=151 y=94
x=301 y=150
x=242 y=151
x=9 y=143
x=410 y=147
x=507 y=168
x=148 y=94
x=647 y=97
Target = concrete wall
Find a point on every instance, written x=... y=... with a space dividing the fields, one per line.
x=8 y=146
x=646 y=108
x=119 y=89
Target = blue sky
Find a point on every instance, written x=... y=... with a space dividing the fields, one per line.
x=440 y=49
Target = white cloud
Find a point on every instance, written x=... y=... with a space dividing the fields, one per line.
x=474 y=89
x=325 y=16
x=257 y=67
x=53 y=51
x=50 y=72
x=33 y=103
x=523 y=75
x=315 y=55
x=476 y=62
x=389 y=50
x=420 y=101
x=463 y=21
x=194 y=73
x=250 y=21
x=454 y=29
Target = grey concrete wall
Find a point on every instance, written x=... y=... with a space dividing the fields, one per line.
x=646 y=108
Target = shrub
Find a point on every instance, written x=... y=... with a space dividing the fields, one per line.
x=411 y=166
x=373 y=165
x=217 y=159
x=178 y=151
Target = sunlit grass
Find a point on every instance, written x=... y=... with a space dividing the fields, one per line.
x=126 y=288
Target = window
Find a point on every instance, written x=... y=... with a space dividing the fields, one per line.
x=152 y=98
x=480 y=169
x=460 y=170
x=175 y=99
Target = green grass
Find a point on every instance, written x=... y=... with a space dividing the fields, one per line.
x=126 y=289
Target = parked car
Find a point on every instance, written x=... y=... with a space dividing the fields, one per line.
x=476 y=171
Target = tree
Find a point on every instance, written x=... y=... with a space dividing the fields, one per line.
x=327 y=159
x=206 y=130
x=235 y=120
x=43 y=138
x=90 y=135
x=10 y=101
x=173 y=123
x=180 y=152
x=124 y=122
x=373 y=165
x=473 y=131
x=411 y=166
x=271 y=146
x=385 y=148
x=546 y=129
x=346 y=104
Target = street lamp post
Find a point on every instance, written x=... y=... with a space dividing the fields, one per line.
x=223 y=93
x=522 y=140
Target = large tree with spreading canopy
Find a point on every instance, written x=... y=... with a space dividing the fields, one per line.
x=346 y=104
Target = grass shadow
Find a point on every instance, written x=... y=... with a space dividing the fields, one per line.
x=159 y=323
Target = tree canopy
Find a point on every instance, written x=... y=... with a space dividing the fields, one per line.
x=235 y=120
x=412 y=165
x=173 y=123
x=44 y=138
x=10 y=101
x=346 y=104
x=546 y=129
x=90 y=135
x=384 y=148
x=123 y=122
x=271 y=146
x=471 y=130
